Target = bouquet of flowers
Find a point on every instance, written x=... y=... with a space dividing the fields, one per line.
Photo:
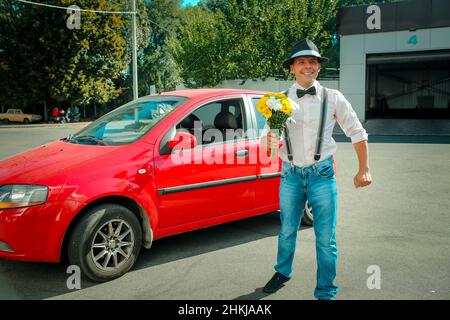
x=277 y=109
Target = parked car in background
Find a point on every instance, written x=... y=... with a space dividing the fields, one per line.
x=158 y=166
x=17 y=115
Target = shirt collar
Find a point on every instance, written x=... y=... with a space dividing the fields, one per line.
x=315 y=84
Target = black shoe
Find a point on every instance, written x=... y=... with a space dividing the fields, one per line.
x=275 y=283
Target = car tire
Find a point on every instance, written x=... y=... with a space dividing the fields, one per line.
x=106 y=242
x=26 y=121
x=308 y=219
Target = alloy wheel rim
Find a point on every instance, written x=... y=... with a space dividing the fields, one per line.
x=308 y=210
x=112 y=245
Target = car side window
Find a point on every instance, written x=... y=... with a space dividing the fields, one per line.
x=260 y=120
x=206 y=115
x=216 y=122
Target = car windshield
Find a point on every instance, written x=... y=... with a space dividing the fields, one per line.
x=127 y=123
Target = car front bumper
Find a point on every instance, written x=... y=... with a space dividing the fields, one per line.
x=33 y=233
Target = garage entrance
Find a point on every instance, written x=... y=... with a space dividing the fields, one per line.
x=408 y=85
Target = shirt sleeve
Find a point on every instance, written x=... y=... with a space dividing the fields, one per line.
x=348 y=120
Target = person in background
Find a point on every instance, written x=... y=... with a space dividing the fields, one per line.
x=55 y=112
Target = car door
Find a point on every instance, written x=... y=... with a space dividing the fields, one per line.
x=213 y=179
x=12 y=115
x=268 y=170
x=19 y=116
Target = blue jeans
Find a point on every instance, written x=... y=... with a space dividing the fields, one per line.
x=317 y=184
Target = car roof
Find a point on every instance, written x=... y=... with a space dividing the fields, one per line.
x=205 y=93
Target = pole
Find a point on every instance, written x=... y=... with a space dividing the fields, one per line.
x=134 y=42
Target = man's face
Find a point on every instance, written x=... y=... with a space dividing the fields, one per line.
x=305 y=70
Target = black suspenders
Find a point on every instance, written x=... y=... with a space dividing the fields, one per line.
x=288 y=139
x=323 y=117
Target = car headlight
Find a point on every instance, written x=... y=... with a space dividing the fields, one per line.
x=22 y=195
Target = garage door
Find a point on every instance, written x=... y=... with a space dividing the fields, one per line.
x=409 y=85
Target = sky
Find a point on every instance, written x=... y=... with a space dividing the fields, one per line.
x=190 y=2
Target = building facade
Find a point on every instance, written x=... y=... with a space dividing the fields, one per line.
x=395 y=59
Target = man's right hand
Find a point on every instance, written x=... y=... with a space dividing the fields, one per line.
x=271 y=141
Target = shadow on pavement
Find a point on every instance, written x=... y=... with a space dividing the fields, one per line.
x=28 y=280
x=258 y=294
x=210 y=239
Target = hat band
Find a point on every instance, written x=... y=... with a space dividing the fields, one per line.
x=306 y=53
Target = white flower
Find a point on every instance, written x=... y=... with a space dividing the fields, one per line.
x=294 y=105
x=274 y=103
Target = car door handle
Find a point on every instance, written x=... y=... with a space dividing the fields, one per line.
x=242 y=153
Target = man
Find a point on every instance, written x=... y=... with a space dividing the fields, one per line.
x=55 y=112
x=307 y=170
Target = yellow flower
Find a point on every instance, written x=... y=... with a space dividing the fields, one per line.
x=265 y=110
x=287 y=108
x=280 y=95
x=261 y=105
x=267 y=113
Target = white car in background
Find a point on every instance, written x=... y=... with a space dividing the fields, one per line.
x=17 y=115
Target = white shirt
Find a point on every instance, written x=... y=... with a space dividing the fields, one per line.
x=303 y=133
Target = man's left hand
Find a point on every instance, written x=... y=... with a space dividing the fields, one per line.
x=362 y=179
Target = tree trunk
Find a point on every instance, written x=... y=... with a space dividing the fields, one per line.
x=45 y=109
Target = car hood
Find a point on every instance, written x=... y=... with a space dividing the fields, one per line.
x=37 y=165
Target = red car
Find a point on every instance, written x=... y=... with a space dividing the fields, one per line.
x=158 y=166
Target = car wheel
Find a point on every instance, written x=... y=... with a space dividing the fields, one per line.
x=106 y=242
x=26 y=121
x=308 y=218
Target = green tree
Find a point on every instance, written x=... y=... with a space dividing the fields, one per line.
x=47 y=61
x=158 y=66
x=29 y=58
x=95 y=57
x=244 y=39
x=165 y=16
x=198 y=47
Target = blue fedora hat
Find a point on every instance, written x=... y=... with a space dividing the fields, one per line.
x=304 y=48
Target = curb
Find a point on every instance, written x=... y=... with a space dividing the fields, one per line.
x=45 y=125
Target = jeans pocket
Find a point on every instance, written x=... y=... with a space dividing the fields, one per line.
x=326 y=172
x=285 y=171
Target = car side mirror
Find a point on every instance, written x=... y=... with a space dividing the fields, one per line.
x=182 y=140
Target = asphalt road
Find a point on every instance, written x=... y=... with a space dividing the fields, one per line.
x=400 y=225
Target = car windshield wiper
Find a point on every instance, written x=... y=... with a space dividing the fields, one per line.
x=86 y=138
